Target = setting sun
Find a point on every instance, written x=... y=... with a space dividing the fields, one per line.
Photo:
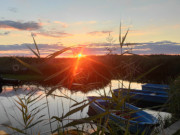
x=79 y=55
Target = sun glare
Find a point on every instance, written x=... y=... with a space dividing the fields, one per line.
x=79 y=55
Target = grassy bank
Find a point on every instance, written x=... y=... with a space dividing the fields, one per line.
x=24 y=77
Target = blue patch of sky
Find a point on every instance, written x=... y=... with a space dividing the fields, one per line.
x=140 y=11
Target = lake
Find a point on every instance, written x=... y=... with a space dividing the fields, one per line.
x=57 y=105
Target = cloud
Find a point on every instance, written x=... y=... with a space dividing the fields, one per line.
x=162 y=47
x=85 y=22
x=177 y=26
x=99 y=32
x=5 y=33
x=24 y=47
x=23 y=50
x=101 y=45
x=64 y=25
x=8 y=24
x=54 y=34
x=13 y=9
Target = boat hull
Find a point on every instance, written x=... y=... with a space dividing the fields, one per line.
x=156 y=87
x=145 y=123
x=144 y=95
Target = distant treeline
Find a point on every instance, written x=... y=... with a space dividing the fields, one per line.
x=147 y=68
x=90 y=69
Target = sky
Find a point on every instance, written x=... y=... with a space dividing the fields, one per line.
x=154 y=26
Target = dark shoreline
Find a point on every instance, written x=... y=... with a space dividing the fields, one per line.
x=94 y=69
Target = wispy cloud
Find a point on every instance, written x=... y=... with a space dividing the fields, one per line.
x=5 y=33
x=54 y=34
x=24 y=46
x=13 y=9
x=99 y=32
x=64 y=25
x=177 y=26
x=8 y=24
x=162 y=47
x=23 y=50
x=85 y=22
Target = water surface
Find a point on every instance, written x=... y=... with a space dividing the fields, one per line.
x=54 y=106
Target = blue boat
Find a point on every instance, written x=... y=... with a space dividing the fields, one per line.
x=156 y=87
x=159 y=97
x=138 y=120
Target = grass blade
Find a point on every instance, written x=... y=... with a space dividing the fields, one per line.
x=149 y=71
x=86 y=120
x=28 y=66
x=33 y=51
x=78 y=103
x=120 y=35
x=36 y=45
x=16 y=129
x=124 y=38
x=56 y=74
x=53 y=55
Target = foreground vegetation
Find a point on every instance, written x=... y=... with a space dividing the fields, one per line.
x=174 y=103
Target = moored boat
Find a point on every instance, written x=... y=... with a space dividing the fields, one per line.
x=159 y=97
x=156 y=87
x=137 y=120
